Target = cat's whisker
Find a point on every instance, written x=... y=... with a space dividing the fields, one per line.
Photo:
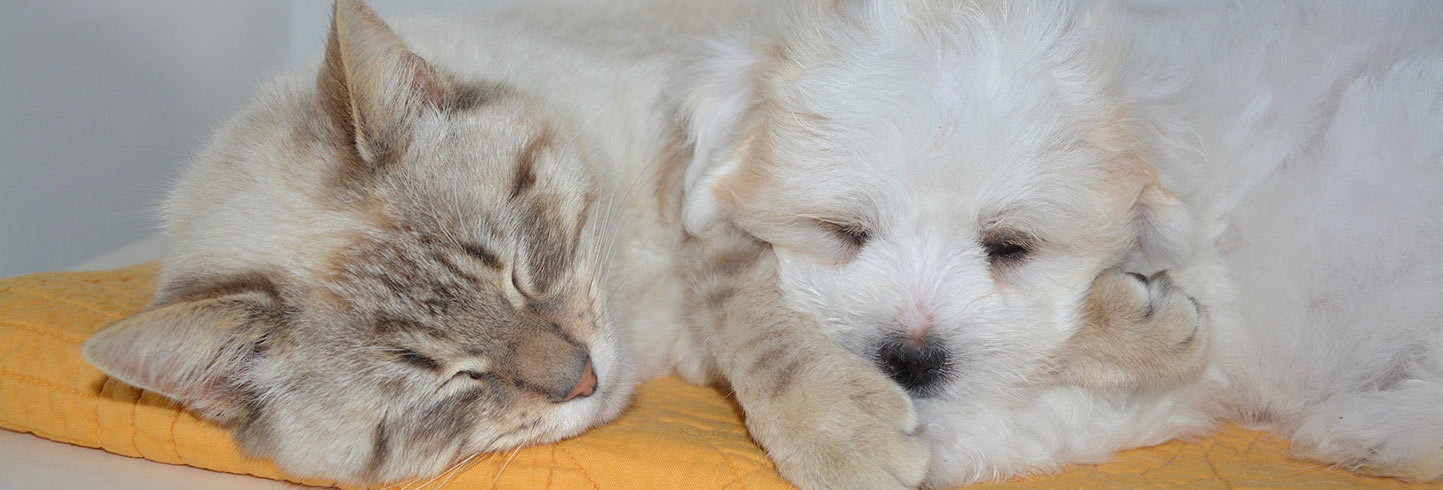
x=473 y=462
x=503 y=466
x=401 y=485
x=422 y=484
x=610 y=232
x=622 y=283
x=448 y=471
x=645 y=175
x=410 y=482
x=372 y=348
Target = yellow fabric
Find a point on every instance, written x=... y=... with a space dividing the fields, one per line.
x=675 y=436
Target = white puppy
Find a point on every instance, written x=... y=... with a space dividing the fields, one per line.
x=943 y=181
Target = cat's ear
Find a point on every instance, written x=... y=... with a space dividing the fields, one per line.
x=720 y=96
x=371 y=85
x=196 y=348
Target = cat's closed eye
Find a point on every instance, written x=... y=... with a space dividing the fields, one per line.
x=418 y=360
x=516 y=285
x=481 y=253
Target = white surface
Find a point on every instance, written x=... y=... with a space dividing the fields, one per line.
x=29 y=462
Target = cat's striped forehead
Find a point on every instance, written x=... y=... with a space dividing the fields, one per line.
x=501 y=176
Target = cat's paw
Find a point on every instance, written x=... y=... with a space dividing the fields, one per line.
x=1139 y=332
x=844 y=426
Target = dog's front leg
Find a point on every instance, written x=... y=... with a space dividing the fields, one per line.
x=827 y=418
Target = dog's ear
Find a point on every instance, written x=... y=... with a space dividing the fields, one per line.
x=720 y=95
x=1161 y=222
x=1165 y=226
x=370 y=84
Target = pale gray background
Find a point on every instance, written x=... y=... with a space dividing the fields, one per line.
x=101 y=102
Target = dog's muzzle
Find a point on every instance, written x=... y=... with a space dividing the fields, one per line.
x=920 y=366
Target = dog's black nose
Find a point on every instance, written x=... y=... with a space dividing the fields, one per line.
x=919 y=366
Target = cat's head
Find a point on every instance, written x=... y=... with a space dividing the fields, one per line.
x=942 y=181
x=380 y=270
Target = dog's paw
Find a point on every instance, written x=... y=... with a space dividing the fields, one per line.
x=1138 y=332
x=849 y=426
x=1150 y=307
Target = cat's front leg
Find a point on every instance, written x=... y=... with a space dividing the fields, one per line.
x=1139 y=332
x=827 y=418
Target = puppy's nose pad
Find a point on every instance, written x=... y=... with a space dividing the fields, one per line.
x=585 y=385
x=917 y=366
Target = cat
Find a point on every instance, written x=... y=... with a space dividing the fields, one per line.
x=442 y=240
x=933 y=203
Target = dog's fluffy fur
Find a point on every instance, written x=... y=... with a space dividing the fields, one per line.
x=1283 y=161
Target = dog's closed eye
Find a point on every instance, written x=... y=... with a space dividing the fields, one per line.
x=1007 y=247
x=853 y=235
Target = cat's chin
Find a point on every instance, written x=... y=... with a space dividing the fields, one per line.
x=616 y=384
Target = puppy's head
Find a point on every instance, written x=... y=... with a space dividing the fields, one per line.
x=941 y=183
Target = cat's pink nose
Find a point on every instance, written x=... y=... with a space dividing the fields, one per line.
x=584 y=386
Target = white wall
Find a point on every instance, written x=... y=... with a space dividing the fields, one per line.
x=101 y=102
x=310 y=19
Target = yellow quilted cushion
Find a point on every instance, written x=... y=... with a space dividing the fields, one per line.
x=675 y=436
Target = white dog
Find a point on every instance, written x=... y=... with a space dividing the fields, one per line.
x=943 y=181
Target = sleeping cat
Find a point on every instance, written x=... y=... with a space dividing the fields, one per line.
x=424 y=249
